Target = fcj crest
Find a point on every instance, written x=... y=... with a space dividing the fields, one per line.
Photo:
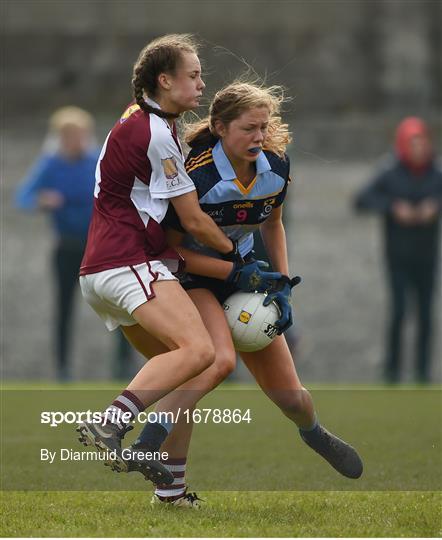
x=169 y=166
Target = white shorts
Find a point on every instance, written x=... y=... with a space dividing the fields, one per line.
x=114 y=294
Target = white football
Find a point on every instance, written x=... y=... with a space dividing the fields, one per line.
x=252 y=324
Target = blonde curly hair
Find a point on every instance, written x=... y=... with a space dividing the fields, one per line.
x=233 y=100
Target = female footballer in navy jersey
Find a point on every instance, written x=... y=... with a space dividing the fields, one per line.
x=241 y=172
x=127 y=271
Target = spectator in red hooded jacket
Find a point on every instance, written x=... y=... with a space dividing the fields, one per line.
x=408 y=194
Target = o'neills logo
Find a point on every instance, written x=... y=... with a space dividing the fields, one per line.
x=169 y=166
x=243 y=205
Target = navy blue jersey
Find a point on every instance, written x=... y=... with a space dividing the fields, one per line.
x=396 y=181
x=239 y=211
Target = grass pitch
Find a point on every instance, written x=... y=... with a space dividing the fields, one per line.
x=244 y=514
x=397 y=432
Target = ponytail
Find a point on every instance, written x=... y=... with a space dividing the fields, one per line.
x=199 y=134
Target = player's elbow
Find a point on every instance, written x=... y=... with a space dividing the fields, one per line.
x=24 y=205
x=361 y=203
x=271 y=225
x=194 y=223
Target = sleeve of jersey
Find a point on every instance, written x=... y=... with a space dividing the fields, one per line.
x=37 y=179
x=169 y=178
x=287 y=179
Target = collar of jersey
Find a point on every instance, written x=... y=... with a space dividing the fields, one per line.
x=225 y=168
x=155 y=105
x=152 y=103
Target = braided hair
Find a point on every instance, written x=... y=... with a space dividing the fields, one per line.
x=160 y=56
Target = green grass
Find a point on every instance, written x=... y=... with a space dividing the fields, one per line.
x=397 y=432
x=245 y=514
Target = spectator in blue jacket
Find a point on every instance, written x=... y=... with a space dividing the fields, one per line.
x=61 y=183
x=408 y=194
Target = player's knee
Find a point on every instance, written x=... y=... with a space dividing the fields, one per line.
x=224 y=363
x=208 y=354
x=202 y=354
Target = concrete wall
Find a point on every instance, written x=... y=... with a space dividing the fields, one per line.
x=344 y=62
x=353 y=68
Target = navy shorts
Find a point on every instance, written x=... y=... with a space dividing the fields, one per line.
x=219 y=288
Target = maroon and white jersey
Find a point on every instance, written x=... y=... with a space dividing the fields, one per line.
x=141 y=166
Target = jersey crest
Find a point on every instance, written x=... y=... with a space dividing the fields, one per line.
x=130 y=110
x=169 y=167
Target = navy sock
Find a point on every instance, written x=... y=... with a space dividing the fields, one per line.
x=152 y=437
x=313 y=427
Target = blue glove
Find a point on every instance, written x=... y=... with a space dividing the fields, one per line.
x=280 y=294
x=250 y=277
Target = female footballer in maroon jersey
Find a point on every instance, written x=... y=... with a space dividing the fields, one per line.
x=241 y=172
x=127 y=271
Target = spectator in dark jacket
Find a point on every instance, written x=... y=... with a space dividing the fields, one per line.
x=408 y=194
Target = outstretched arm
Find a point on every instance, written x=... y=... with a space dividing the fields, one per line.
x=274 y=238
x=199 y=224
x=247 y=276
x=196 y=263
